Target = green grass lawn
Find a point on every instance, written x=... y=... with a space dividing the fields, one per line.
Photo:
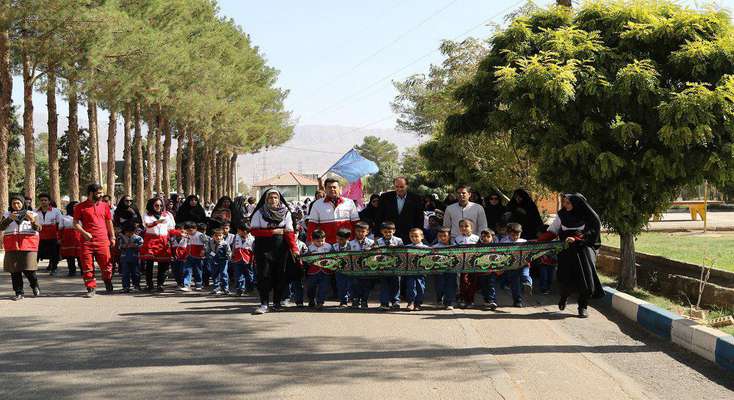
x=687 y=247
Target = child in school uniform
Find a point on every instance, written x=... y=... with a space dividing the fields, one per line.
x=467 y=282
x=518 y=278
x=71 y=239
x=445 y=283
x=194 y=266
x=488 y=280
x=179 y=243
x=129 y=244
x=202 y=228
x=389 y=285
x=295 y=286
x=361 y=287
x=343 y=282
x=415 y=285
x=242 y=257
x=218 y=253
x=317 y=279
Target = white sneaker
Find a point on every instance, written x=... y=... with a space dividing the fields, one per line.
x=185 y=289
x=262 y=309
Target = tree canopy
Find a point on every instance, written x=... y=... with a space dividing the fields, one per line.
x=625 y=102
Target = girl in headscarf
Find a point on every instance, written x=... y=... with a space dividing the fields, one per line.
x=239 y=213
x=494 y=210
x=191 y=211
x=20 y=241
x=126 y=211
x=222 y=210
x=70 y=239
x=522 y=209
x=158 y=223
x=579 y=225
x=272 y=225
x=369 y=213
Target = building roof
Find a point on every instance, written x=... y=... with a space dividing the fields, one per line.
x=287 y=179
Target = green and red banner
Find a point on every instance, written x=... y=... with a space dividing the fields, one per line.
x=396 y=261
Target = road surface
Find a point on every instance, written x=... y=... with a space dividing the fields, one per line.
x=193 y=346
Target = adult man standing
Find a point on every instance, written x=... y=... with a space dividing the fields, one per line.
x=49 y=218
x=464 y=209
x=402 y=208
x=93 y=219
x=332 y=212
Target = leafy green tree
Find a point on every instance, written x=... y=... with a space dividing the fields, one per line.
x=385 y=155
x=425 y=101
x=626 y=102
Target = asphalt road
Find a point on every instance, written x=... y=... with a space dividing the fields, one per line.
x=193 y=346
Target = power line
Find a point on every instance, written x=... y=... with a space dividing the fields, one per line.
x=385 y=47
x=343 y=102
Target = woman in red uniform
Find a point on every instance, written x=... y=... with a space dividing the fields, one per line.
x=70 y=238
x=20 y=240
x=156 y=248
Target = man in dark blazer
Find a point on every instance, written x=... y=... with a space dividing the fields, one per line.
x=403 y=208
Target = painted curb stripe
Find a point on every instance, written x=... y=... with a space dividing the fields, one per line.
x=725 y=352
x=656 y=319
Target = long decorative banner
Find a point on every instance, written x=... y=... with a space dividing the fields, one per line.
x=396 y=261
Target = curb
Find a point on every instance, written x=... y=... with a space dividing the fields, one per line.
x=709 y=343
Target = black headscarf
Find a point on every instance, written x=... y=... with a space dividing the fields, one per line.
x=582 y=214
x=525 y=213
x=239 y=212
x=126 y=212
x=187 y=213
x=70 y=208
x=220 y=202
x=494 y=212
x=369 y=214
x=272 y=215
x=152 y=211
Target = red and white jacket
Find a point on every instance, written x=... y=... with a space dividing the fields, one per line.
x=197 y=242
x=20 y=237
x=179 y=246
x=70 y=237
x=152 y=228
x=242 y=249
x=259 y=228
x=330 y=216
x=49 y=222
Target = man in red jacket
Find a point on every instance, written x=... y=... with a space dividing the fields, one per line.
x=93 y=219
x=332 y=213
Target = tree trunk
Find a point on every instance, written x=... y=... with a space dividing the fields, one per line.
x=200 y=176
x=190 y=167
x=127 y=172
x=6 y=92
x=158 y=154
x=179 y=161
x=207 y=170
x=28 y=141
x=216 y=169
x=233 y=174
x=111 y=170
x=53 y=136
x=73 y=141
x=150 y=158
x=139 y=167
x=165 y=159
x=93 y=141
x=628 y=275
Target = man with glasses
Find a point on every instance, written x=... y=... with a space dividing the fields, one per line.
x=93 y=219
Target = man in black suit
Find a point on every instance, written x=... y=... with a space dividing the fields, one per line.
x=403 y=208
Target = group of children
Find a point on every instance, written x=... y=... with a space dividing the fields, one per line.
x=318 y=280
x=196 y=258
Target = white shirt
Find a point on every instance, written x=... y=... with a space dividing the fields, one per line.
x=471 y=239
x=472 y=211
x=159 y=229
x=393 y=242
x=356 y=245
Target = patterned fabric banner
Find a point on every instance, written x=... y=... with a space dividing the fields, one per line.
x=396 y=261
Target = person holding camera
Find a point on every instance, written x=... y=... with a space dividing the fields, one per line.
x=20 y=240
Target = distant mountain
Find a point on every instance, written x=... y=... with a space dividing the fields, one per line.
x=313 y=149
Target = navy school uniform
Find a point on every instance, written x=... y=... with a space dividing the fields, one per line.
x=415 y=285
x=218 y=255
x=445 y=283
x=318 y=280
x=343 y=282
x=389 y=285
x=361 y=287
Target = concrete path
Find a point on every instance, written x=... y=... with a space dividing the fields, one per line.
x=717 y=220
x=192 y=346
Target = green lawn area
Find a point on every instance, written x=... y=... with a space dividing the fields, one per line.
x=687 y=247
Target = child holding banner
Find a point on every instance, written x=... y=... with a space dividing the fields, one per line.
x=317 y=279
x=389 y=285
x=445 y=283
x=468 y=282
x=361 y=286
x=415 y=285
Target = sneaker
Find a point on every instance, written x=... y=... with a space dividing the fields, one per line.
x=410 y=307
x=461 y=304
x=17 y=297
x=395 y=306
x=312 y=304
x=185 y=289
x=226 y=292
x=36 y=291
x=383 y=307
x=125 y=290
x=262 y=309
x=527 y=290
x=355 y=304
x=216 y=292
x=492 y=305
x=583 y=313
x=449 y=308
x=240 y=292
x=108 y=287
x=343 y=304
x=197 y=288
x=300 y=305
x=159 y=289
x=417 y=307
x=364 y=305
x=518 y=304
x=90 y=292
x=562 y=303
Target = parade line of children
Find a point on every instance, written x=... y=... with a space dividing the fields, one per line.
x=227 y=260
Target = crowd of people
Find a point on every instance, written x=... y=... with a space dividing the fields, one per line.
x=236 y=247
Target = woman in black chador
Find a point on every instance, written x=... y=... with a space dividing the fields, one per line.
x=523 y=210
x=579 y=225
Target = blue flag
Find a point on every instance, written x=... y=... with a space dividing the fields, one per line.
x=353 y=166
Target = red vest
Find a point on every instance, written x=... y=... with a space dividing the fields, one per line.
x=20 y=237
